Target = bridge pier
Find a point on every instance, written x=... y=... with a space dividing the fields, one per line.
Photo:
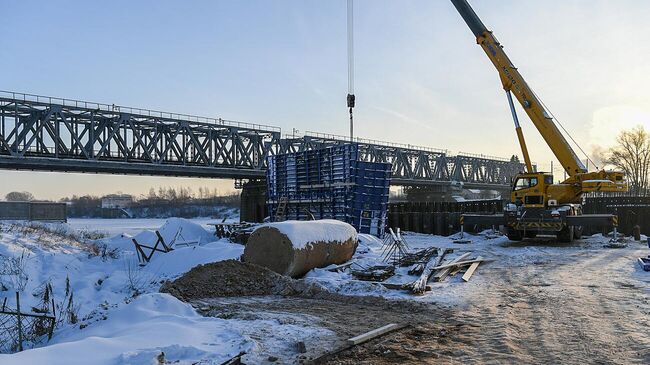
x=252 y=206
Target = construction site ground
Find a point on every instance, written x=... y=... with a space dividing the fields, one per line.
x=537 y=302
x=532 y=302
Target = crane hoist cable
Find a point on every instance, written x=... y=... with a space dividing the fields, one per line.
x=350 y=97
x=565 y=131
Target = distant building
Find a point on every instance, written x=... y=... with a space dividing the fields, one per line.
x=117 y=201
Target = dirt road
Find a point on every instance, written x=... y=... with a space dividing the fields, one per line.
x=565 y=304
x=572 y=305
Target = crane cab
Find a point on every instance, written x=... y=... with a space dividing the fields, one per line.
x=529 y=189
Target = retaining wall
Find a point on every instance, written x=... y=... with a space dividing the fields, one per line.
x=34 y=211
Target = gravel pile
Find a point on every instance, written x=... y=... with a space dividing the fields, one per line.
x=233 y=278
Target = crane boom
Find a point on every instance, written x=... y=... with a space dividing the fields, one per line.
x=513 y=82
x=538 y=206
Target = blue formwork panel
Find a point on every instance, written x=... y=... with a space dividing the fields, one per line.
x=331 y=183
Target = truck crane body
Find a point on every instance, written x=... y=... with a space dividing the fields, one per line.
x=537 y=204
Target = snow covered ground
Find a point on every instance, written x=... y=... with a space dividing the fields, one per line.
x=123 y=319
x=495 y=248
x=133 y=226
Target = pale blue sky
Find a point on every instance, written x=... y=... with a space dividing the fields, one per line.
x=420 y=77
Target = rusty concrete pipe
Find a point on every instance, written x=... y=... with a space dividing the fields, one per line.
x=293 y=248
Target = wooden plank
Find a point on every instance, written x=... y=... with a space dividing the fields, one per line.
x=471 y=269
x=444 y=270
x=373 y=334
x=455 y=270
x=328 y=355
x=460 y=263
x=342 y=266
x=419 y=286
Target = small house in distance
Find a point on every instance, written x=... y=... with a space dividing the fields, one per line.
x=117 y=201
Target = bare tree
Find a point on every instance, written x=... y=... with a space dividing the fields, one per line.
x=19 y=196
x=632 y=155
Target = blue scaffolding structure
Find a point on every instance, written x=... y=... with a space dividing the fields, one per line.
x=330 y=183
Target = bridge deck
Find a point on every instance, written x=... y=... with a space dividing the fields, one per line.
x=53 y=134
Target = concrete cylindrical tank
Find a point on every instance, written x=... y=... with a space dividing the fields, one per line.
x=293 y=248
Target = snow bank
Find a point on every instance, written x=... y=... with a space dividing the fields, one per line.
x=181 y=260
x=302 y=233
x=177 y=230
x=173 y=231
x=115 y=328
x=137 y=333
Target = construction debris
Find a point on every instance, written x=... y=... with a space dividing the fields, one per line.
x=373 y=334
x=419 y=286
x=374 y=273
x=459 y=263
x=354 y=341
x=419 y=257
x=235 y=232
x=645 y=263
x=394 y=248
x=472 y=268
x=444 y=270
x=342 y=267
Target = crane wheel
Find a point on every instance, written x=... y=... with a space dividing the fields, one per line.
x=577 y=232
x=566 y=234
x=514 y=235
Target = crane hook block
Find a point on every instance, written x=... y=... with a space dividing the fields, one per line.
x=350 y=100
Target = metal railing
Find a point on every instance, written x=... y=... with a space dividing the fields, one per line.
x=49 y=100
x=486 y=157
x=374 y=142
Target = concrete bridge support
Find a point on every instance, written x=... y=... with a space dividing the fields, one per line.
x=253 y=201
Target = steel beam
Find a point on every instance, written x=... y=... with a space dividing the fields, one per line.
x=52 y=134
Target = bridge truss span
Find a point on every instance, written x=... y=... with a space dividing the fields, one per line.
x=53 y=134
x=64 y=135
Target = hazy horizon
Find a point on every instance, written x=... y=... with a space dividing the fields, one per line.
x=420 y=77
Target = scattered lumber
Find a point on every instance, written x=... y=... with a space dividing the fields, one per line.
x=392 y=286
x=373 y=334
x=419 y=258
x=374 y=273
x=419 y=286
x=459 y=263
x=444 y=270
x=645 y=263
x=456 y=270
x=342 y=266
x=472 y=268
x=325 y=357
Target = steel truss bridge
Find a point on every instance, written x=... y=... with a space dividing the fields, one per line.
x=54 y=134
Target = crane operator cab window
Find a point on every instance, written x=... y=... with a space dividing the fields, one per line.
x=525 y=183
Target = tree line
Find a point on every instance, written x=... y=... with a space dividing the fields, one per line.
x=631 y=154
x=162 y=195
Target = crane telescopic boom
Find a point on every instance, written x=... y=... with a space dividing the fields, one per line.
x=513 y=82
x=538 y=206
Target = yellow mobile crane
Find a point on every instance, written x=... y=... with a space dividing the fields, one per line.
x=537 y=204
